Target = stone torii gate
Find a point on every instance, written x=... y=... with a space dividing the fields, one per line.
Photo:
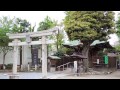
x=28 y=36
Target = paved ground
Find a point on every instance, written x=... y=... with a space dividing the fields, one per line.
x=37 y=75
x=115 y=75
x=31 y=75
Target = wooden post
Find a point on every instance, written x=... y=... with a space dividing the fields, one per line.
x=44 y=57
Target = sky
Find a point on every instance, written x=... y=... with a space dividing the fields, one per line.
x=34 y=17
x=114 y=37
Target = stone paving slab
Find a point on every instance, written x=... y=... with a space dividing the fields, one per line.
x=32 y=75
x=114 y=75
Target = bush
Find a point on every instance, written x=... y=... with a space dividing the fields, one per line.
x=9 y=66
x=59 y=54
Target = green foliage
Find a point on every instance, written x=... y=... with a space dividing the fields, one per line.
x=47 y=23
x=111 y=50
x=89 y=25
x=9 y=66
x=101 y=53
x=68 y=51
x=14 y=25
x=59 y=40
x=117 y=48
x=59 y=53
x=5 y=27
x=118 y=27
x=22 y=26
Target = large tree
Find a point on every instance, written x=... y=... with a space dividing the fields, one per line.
x=118 y=32
x=89 y=26
x=118 y=26
x=6 y=24
x=11 y=25
x=48 y=23
x=22 y=26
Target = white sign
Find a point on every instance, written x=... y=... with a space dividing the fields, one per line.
x=98 y=61
x=75 y=66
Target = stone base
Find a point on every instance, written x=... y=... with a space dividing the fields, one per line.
x=44 y=77
x=52 y=69
x=14 y=76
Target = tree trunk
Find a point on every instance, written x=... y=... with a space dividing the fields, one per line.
x=4 y=60
x=85 y=52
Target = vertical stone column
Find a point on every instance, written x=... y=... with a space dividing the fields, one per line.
x=14 y=75
x=44 y=57
x=75 y=67
x=35 y=67
x=15 y=57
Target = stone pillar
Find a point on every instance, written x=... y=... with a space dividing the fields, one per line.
x=75 y=67
x=28 y=67
x=98 y=61
x=14 y=75
x=35 y=67
x=15 y=57
x=21 y=67
x=44 y=57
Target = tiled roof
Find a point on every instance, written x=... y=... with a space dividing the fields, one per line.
x=78 y=42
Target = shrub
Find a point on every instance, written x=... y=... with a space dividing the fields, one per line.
x=9 y=66
x=59 y=54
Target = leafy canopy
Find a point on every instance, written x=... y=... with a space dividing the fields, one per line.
x=47 y=23
x=89 y=25
x=6 y=25
x=118 y=27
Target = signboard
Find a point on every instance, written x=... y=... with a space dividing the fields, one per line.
x=106 y=59
x=34 y=56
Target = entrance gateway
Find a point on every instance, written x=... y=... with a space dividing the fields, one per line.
x=28 y=36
